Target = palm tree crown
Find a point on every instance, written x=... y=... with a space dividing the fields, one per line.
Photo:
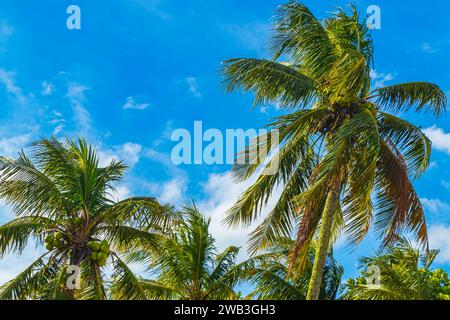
x=345 y=162
x=269 y=274
x=405 y=274
x=188 y=266
x=62 y=196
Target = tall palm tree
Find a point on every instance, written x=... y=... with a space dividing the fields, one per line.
x=188 y=266
x=340 y=147
x=62 y=196
x=268 y=273
x=405 y=274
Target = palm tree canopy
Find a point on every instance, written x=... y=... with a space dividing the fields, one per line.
x=62 y=196
x=405 y=274
x=188 y=265
x=337 y=132
x=269 y=274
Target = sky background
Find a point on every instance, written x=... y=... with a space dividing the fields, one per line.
x=138 y=69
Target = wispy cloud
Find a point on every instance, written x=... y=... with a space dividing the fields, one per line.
x=220 y=194
x=435 y=206
x=132 y=104
x=429 y=48
x=153 y=6
x=77 y=98
x=47 y=88
x=174 y=189
x=7 y=79
x=251 y=36
x=193 y=87
x=10 y=146
x=380 y=79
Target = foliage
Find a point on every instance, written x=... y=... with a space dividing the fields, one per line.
x=62 y=195
x=405 y=274
x=188 y=265
x=269 y=275
x=342 y=155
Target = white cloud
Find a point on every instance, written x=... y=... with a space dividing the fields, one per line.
x=7 y=78
x=11 y=146
x=166 y=134
x=435 y=206
x=120 y=193
x=221 y=193
x=129 y=153
x=193 y=87
x=131 y=104
x=380 y=79
x=173 y=190
x=439 y=236
x=77 y=98
x=440 y=139
x=60 y=127
x=47 y=88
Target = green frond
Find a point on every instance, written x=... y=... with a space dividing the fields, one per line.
x=272 y=82
x=143 y=212
x=15 y=234
x=299 y=35
x=126 y=285
x=93 y=286
x=125 y=238
x=29 y=282
x=415 y=95
x=29 y=191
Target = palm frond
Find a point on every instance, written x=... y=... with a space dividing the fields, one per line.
x=415 y=95
x=272 y=82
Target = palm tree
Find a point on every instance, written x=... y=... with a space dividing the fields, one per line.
x=268 y=273
x=62 y=196
x=340 y=148
x=188 y=266
x=405 y=274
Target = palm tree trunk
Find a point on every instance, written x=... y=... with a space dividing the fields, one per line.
x=329 y=210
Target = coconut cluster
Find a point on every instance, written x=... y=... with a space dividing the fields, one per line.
x=100 y=251
x=54 y=241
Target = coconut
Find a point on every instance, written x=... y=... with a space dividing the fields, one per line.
x=89 y=244
x=102 y=256
x=101 y=263
x=94 y=256
x=56 y=243
x=58 y=236
x=49 y=239
x=49 y=246
x=96 y=246
x=105 y=248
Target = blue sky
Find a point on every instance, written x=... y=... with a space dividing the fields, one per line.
x=138 y=69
